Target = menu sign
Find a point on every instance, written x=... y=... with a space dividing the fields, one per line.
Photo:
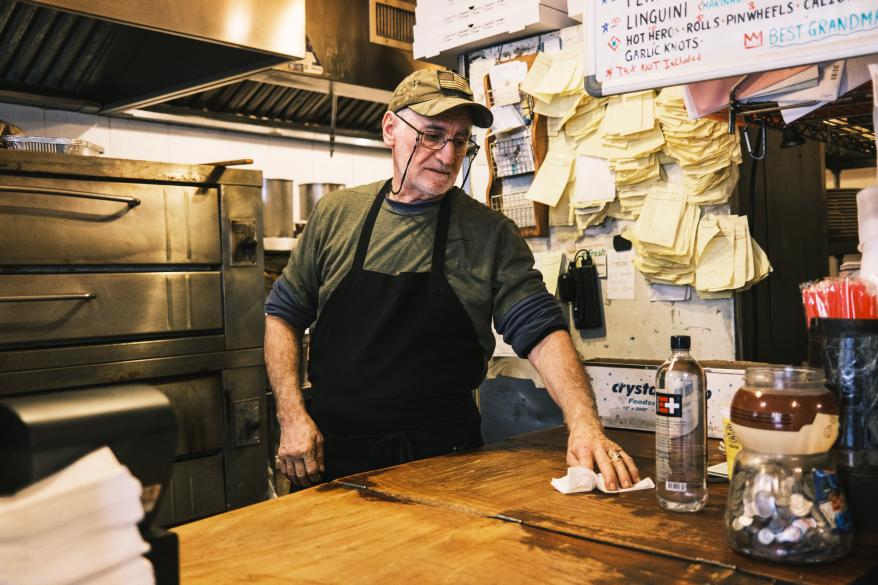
x=641 y=44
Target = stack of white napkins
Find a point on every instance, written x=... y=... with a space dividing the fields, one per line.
x=583 y=479
x=77 y=526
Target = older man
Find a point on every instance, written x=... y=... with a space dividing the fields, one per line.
x=399 y=281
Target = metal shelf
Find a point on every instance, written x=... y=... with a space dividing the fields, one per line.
x=845 y=125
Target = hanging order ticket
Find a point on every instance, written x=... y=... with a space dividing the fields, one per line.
x=642 y=44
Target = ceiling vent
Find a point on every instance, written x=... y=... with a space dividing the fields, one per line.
x=391 y=23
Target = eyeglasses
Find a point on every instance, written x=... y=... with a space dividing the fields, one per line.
x=437 y=141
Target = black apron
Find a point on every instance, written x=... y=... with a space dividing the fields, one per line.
x=394 y=361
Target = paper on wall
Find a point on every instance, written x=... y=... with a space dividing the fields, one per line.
x=564 y=75
x=661 y=217
x=549 y=265
x=551 y=179
x=594 y=180
x=620 y=271
x=506 y=119
x=669 y=292
x=560 y=107
x=505 y=80
x=535 y=75
x=477 y=72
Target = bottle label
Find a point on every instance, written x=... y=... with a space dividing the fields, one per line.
x=675 y=486
x=675 y=405
x=668 y=405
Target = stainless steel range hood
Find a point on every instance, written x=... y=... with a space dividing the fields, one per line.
x=108 y=56
x=364 y=50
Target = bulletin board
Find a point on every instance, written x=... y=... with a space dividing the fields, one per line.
x=643 y=44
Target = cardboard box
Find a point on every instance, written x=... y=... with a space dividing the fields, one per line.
x=625 y=392
x=457 y=26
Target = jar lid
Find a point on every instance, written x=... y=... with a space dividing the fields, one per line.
x=801 y=379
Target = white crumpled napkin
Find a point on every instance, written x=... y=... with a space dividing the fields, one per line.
x=583 y=479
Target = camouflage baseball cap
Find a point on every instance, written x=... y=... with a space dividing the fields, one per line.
x=430 y=92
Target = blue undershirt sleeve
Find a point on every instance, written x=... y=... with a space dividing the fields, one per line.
x=529 y=320
x=281 y=303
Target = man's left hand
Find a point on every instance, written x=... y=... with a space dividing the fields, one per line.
x=587 y=446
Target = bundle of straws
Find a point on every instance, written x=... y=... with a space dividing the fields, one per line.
x=840 y=298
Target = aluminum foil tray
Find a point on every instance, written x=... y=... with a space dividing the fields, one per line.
x=53 y=145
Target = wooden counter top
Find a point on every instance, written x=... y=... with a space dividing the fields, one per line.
x=484 y=516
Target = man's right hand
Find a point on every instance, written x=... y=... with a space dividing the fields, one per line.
x=300 y=453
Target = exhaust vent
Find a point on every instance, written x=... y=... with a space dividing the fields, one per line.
x=391 y=23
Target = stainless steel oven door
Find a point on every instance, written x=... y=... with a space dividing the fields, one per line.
x=69 y=221
x=59 y=308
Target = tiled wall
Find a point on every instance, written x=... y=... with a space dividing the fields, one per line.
x=281 y=158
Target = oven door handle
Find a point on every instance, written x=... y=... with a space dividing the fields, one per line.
x=129 y=201
x=43 y=298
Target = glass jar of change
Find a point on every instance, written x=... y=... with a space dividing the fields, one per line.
x=785 y=502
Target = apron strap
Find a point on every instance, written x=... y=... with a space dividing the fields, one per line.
x=366 y=232
x=437 y=267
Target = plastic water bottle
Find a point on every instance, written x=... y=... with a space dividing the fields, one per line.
x=681 y=431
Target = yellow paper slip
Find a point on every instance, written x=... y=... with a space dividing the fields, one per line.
x=717 y=260
x=750 y=261
x=554 y=74
x=565 y=73
x=584 y=124
x=561 y=143
x=661 y=217
x=718 y=194
x=648 y=143
x=551 y=179
x=616 y=211
x=763 y=266
x=563 y=214
x=742 y=244
x=630 y=113
x=682 y=254
x=559 y=107
x=697 y=183
x=584 y=221
x=535 y=75
x=714 y=296
x=707 y=229
x=549 y=265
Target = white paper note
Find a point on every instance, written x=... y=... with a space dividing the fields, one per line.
x=505 y=79
x=506 y=119
x=669 y=292
x=620 y=271
x=594 y=180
